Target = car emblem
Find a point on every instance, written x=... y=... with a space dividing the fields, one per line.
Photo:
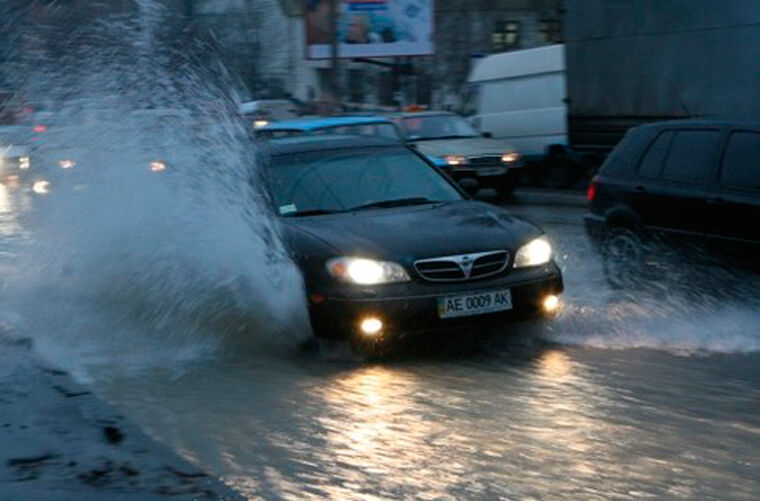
x=465 y=263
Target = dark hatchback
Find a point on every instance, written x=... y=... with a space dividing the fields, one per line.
x=690 y=185
x=389 y=246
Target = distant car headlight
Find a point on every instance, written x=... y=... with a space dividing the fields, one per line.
x=258 y=124
x=66 y=164
x=24 y=163
x=366 y=271
x=510 y=157
x=157 y=166
x=454 y=160
x=41 y=187
x=534 y=253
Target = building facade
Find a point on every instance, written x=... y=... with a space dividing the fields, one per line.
x=264 y=42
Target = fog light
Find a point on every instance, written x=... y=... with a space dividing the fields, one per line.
x=551 y=304
x=371 y=326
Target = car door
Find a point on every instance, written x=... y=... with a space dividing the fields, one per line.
x=734 y=196
x=671 y=193
x=646 y=194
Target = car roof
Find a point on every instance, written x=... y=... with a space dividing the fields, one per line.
x=699 y=122
x=323 y=122
x=257 y=105
x=305 y=144
x=412 y=114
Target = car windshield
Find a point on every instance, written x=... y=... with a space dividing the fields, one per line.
x=438 y=127
x=340 y=180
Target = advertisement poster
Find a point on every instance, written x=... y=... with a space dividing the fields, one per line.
x=370 y=28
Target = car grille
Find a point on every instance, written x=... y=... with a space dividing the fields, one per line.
x=485 y=161
x=462 y=267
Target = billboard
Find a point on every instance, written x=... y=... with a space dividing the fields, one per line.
x=370 y=28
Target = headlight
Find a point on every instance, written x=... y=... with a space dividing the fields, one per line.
x=24 y=163
x=258 y=124
x=534 y=253
x=157 y=166
x=66 y=164
x=510 y=157
x=455 y=160
x=366 y=271
x=41 y=187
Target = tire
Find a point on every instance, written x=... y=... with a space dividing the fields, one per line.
x=507 y=186
x=559 y=170
x=623 y=258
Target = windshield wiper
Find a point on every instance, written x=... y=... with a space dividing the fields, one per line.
x=399 y=202
x=310 y=212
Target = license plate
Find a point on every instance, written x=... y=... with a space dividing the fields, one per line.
x=491 y=171
x=476 y=303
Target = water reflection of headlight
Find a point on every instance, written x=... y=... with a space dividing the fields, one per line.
x=66 y=164
x=157 y=166
x=41 y=187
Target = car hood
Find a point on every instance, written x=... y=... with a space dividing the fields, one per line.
x=405 y=234
x=471 y=146
x=14 y=150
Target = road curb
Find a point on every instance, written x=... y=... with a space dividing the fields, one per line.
x=61 y=441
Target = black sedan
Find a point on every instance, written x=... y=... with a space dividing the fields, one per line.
x=390 y=246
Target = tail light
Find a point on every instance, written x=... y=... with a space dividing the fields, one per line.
x=40 y=128
x=591 y=191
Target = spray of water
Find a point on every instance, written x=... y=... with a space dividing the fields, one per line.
x=156 y=238
x=692 y=307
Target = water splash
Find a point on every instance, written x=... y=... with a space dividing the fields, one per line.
x=693 y=308
x=134 y=258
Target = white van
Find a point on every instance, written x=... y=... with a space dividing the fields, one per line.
x=520 y=96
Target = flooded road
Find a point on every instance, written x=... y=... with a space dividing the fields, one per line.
x=548 y=423
x=620 y=398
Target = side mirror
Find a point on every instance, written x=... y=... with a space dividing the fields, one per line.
x=489 y=135
x=469 y=185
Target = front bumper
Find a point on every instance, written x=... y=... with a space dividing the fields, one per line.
x=488 y=176
x=412 y=308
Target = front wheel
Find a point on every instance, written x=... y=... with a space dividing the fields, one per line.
x=559 y=171
x=507 y=186
x=623 y=256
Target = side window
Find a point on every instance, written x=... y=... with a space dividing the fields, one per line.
x=691 y=155
x=651 y=164
x=741 y=164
